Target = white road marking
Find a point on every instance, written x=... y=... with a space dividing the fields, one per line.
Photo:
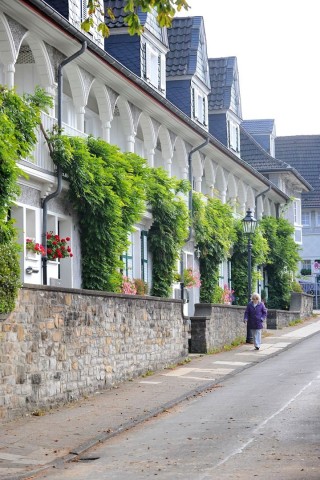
x=151 y=383
x=262 y=424
x=236 y=364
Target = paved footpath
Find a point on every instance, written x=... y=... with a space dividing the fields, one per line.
x=34 y=443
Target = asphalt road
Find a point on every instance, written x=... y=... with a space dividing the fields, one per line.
x=260 y=424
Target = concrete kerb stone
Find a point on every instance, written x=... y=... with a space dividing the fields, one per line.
x=77 y=452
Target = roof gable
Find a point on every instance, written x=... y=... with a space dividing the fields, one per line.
x=147 y=19
x=225 y=88
x=252 y=152
x=188 y=49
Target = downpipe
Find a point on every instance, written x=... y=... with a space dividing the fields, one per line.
x=57 y=192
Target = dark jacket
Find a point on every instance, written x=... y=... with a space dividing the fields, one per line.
x=255 y=315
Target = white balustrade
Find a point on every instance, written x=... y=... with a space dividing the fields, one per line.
x=41 y=156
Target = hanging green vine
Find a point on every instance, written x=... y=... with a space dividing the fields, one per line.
x=282 y=260
x=18 y=118
x=239 y=261
x=169 y=228
x=214 y=235
x=107 y=189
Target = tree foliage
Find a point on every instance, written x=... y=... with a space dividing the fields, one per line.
x=166 y=10
x=169 y=228
x=18 y=118
x=239 y=261
x=107 y=189
x=214 y=235
x=282 y=260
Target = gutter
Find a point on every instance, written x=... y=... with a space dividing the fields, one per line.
x=53 y=16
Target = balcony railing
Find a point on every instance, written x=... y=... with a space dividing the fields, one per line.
x=41 y=156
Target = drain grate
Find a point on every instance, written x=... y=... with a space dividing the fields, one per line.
x=90 y=458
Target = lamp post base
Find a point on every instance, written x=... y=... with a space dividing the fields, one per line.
x=249 y=338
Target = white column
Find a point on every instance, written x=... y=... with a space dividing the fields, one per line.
x=197 y=184
x=168 y=166
x=185 y=175
x=106 y=131
x=80 y=111
x=9 y=70
x=52 y=90
x=130 y=143
x=150 y=156
x=223 y=195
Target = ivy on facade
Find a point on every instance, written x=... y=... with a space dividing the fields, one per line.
x=214 y=235
x=19 y=116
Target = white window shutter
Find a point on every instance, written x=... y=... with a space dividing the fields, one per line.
x=195 y=103
x=163 y=72
x=148 y=61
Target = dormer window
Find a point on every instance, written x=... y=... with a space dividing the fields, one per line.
x=199 y=106
x=233 y=136
x=154 y=66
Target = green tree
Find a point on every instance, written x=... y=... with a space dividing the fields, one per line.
x=282 y=260
x=19 y=116
x=166 y=10
x=239 y=261
x=169 y=228
x=214 y=234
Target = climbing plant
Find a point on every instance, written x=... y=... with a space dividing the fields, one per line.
x=107 y=189
x=18 y=118
x=282 y=260
x=169 y=228
x=214 y=234
x=239 y=261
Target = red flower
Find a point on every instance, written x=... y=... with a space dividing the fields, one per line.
x=68 y=239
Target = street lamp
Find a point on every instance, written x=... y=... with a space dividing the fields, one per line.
x=249 y=225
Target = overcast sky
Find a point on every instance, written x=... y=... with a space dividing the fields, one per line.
x=277 y=45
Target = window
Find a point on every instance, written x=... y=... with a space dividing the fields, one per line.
x=318 y=219
x=154 y=66
x=305 y=219
x=306 y=265
x=127 y=259
x=83 y=10
x=199 y=106
x=233 y=135
x=144 y=256
x=297 y=212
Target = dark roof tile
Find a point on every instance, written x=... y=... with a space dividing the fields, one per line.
x=303 y=153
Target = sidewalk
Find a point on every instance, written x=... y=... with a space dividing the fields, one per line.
x=33 y=443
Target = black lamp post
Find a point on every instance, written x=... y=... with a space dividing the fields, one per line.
x=249 y=225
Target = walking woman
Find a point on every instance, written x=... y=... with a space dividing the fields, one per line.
x=255 y=314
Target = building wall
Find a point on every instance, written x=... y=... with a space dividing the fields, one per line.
x=59 y=344
x=218 y=127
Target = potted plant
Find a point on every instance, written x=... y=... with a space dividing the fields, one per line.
x=58 y=247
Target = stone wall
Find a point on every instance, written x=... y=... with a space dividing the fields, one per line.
x=214 y=326
x=60 y=344
x=302 y=302
x=281 y=318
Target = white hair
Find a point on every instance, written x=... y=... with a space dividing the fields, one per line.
x=257 y=296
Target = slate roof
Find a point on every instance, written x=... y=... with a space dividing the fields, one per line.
x=303 y=153
x=258 y=127
x=188 y=51
x=148 y=20
x=252 y=152
x=225 y=94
